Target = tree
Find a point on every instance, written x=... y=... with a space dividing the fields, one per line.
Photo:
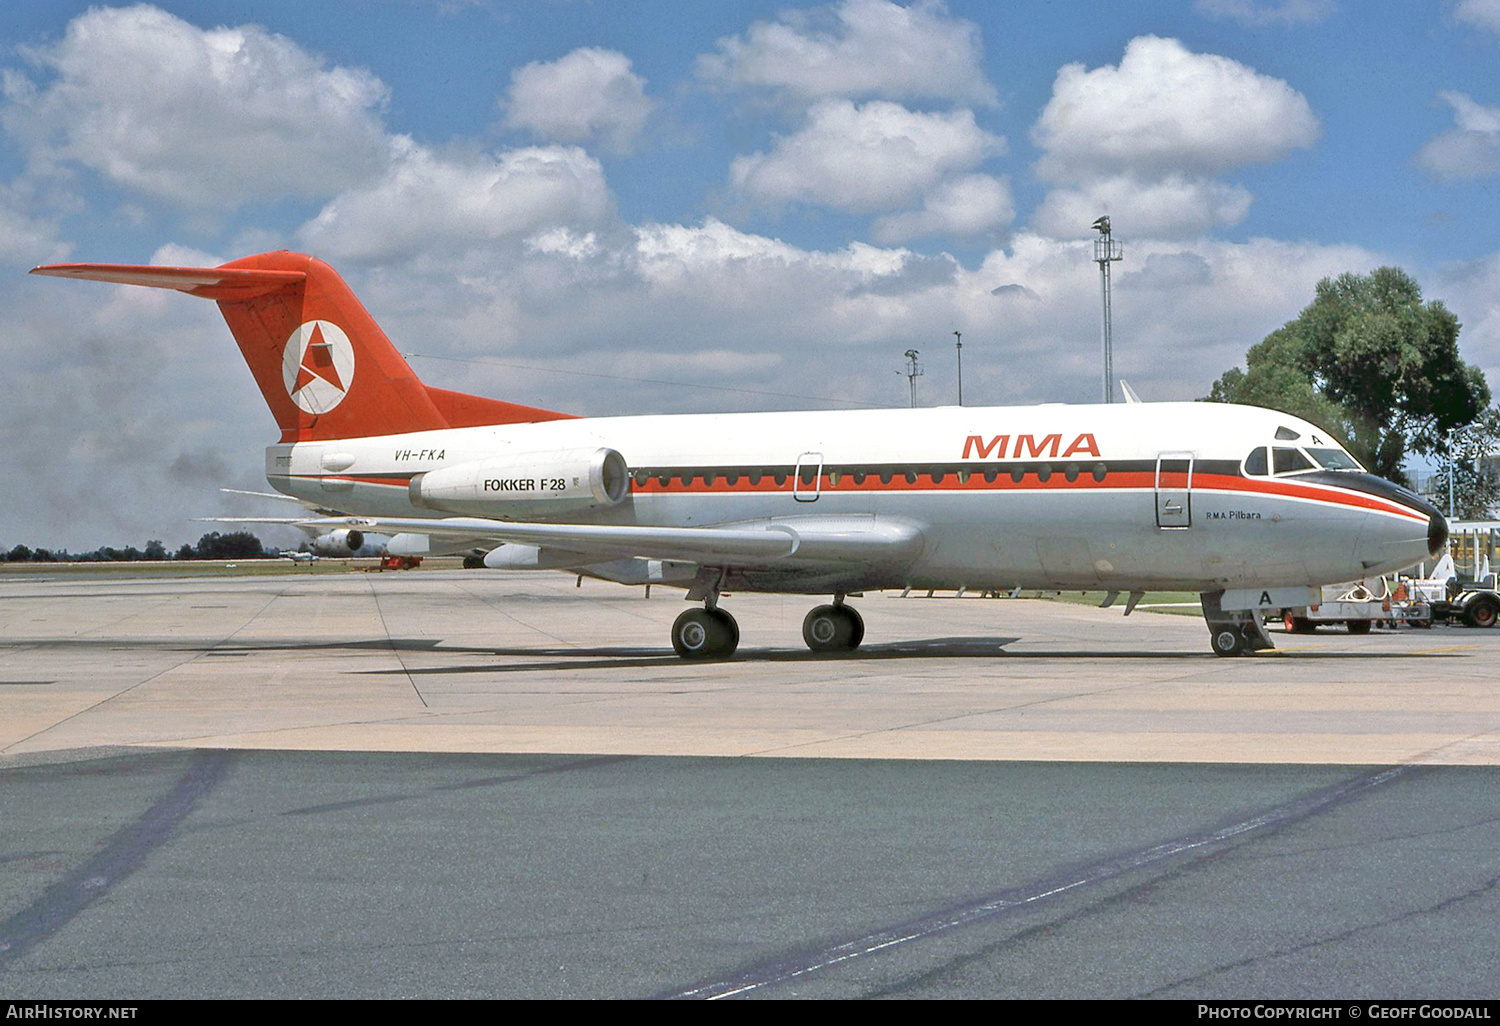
x=1369 y=362
x=234 y=545
x=1466 y=464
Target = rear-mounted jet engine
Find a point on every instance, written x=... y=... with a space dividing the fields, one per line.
x=523 y=485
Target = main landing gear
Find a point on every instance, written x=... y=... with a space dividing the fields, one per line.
x=835 y=628
x=705 y=634
x=711 y=633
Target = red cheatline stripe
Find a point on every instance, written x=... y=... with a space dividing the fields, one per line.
x=1121 y=481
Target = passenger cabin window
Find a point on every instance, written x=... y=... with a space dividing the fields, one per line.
x=1290 y=461
x=1255 y=463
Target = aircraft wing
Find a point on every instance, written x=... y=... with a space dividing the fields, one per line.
x=289 y=521
x=836 y=539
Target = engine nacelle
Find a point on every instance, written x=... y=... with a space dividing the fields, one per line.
x=339 y=543
x=526 y=485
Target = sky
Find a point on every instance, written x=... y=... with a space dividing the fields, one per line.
x=609 y=207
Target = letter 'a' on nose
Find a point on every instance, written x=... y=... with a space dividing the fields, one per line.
x=1437 y=534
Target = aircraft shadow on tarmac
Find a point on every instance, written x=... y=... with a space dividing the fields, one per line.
x=575 y=658
x=620 y=657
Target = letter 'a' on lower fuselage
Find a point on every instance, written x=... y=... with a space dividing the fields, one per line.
x=1229 y=501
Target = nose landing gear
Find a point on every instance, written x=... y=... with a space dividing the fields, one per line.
x=1232 y=632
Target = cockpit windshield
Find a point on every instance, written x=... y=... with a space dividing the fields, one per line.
x=1289 y=461
x=1334 y=459
x=1285 y=459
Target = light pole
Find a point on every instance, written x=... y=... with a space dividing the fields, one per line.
x=1451 y=502
x=1106 y=251
x=960 y=345
x=913 y=372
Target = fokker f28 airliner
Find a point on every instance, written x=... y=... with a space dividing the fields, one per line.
x=1247 y=506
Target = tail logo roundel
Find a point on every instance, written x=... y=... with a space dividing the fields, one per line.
x=317 y=366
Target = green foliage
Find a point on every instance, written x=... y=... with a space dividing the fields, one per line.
x=234 y=545
x=1475 y=485
x=1369 y=362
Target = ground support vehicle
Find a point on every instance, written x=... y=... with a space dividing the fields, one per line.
x=1359 y=606
x=1472 y=601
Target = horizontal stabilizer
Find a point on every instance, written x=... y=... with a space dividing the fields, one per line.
x=219 y=283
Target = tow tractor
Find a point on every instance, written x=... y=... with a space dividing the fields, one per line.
x=1475 y=601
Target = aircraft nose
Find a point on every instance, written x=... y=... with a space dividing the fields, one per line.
x=1389 y=542
x=1437 y=533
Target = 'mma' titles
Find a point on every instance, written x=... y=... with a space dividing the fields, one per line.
x=1027 y=447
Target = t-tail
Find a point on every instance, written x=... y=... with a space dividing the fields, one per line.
x=324 y=366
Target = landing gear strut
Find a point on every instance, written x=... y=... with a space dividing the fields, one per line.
x=835 y=628
x=707 y=633
x=1233 y=632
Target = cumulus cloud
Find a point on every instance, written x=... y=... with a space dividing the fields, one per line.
x=963 y=206
x=590 y=95
x=863 y=158
x=1471 y=149
x=200 y=118
x=1483 y=14
x=1164 y=109
x=856 y=49
x=427 y=201
x=1471 y=289
x=25 y=238
x=1172 y=207
x=1152 y=132
x=1258 y=13
x=112 y=384
x=1184 y=312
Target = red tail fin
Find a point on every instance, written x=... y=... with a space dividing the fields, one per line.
x=322 y=363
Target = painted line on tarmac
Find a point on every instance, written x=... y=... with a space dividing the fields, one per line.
x=796 y=966
x=122 y=855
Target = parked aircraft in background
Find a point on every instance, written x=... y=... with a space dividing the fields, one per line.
x=339 y=541
x=1249 y=507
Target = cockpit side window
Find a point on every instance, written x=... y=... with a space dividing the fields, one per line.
x=1255 y=463
x=1290 y=461
x=1286 y=434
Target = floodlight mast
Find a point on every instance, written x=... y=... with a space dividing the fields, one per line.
x=913 y=372
x=1106 y=251
x=960 y=345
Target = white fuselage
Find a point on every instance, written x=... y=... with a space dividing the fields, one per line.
x=1127 y=497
